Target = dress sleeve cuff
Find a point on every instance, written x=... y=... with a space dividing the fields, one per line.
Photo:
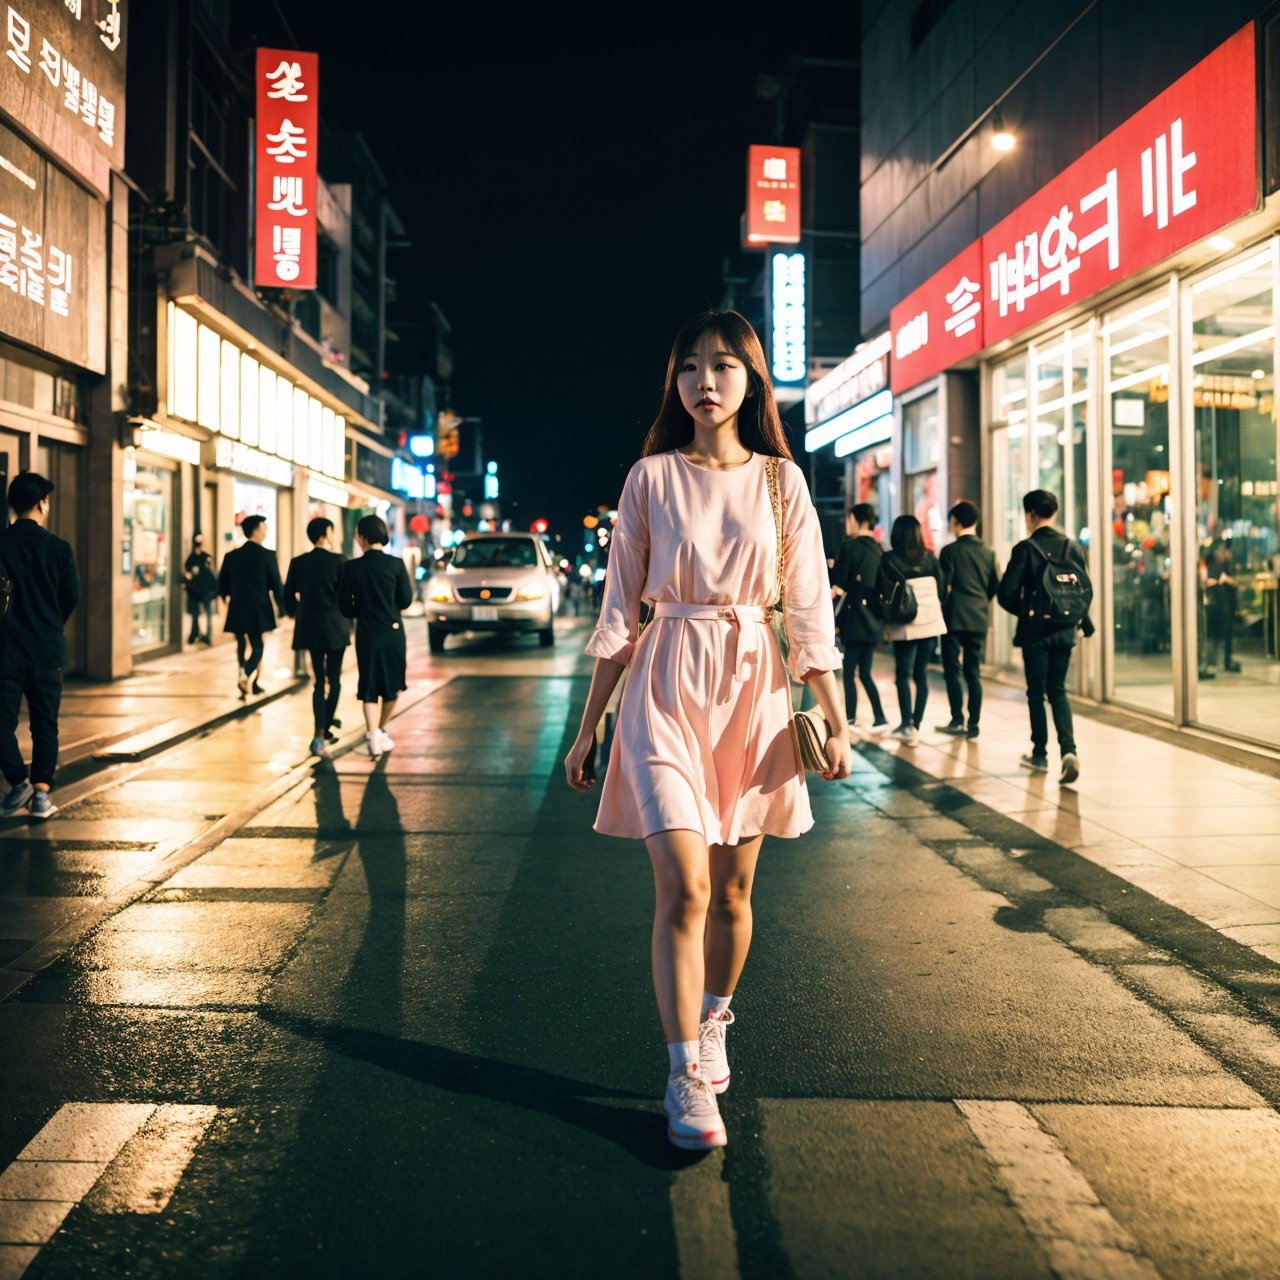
x=814 y=657
x=605 y=642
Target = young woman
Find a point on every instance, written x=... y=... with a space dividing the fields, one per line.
x=702 y=766
x=909 y=561
x=374 y=590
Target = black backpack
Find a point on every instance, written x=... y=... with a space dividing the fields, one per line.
x=1060 y=593
x=900 y=605
x=6 y=591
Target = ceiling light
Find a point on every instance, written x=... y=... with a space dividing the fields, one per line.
x=1257 y=373
x=1001 y=137
x=1221 y=243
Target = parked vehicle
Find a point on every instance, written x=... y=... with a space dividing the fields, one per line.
x=494 y=582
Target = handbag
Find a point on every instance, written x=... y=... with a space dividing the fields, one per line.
x=809 y=729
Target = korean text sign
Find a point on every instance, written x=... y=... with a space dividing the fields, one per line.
x=1176 y=171
x=773 y=196
x=285 y=181
x=62 y=78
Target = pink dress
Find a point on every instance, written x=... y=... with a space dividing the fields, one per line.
x=701 y=742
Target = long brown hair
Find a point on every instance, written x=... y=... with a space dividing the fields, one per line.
x=759 y=426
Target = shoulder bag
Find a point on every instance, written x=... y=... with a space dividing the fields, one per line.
x=809 y=729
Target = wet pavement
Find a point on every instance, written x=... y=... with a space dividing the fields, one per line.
x=266 y=1016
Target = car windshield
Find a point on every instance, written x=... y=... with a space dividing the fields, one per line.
x=496 y=553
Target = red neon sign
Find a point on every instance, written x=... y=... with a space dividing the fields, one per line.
x=1174 y=172
x=285 y=181
x=773 y=196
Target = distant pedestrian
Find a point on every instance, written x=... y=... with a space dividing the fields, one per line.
x=970 y=580
x=859 y=620
x=1048 y=618
x=701 y=765
x=910 y=585
x=311 y=598
x=1222 y=592
x=201 y=586
x=248 y=580
x=45 y=588
x=375 y=591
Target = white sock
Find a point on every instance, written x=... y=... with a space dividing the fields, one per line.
x=714 y=1004
x=681 y=1053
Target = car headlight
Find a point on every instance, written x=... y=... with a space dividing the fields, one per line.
x=440 y=592
x=531 y=593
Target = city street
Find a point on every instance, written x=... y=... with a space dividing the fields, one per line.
x=266 y=1016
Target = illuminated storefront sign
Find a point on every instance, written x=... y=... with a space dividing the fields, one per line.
x=285 y=182
x=62 y=78
x=322 y=491
x=234 y=455
x=169 y=444
x=1173 y=173
x=773 y=196
x=852 y=381
x=788 y=318
x=408 y=479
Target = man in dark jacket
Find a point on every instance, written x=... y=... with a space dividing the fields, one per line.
x=1046 y=654
x=249 y=577
x=33 y=645
x=970 y=580
x=858 y=613
x=311 y=597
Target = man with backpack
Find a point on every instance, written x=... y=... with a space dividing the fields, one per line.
x=1046 y=587
x=38 y=573
x=858 y=615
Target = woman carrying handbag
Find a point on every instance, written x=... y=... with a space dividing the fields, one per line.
x=703 y=763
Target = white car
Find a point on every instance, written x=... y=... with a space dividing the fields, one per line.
x=494 y=582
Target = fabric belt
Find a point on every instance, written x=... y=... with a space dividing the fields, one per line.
x=746 y=620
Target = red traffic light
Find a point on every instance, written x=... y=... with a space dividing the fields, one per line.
x=419 y=523
x=539 y=526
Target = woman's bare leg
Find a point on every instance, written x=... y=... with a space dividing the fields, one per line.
x=370 y=710
x=388 y=706
x=683 y=888
x=728 y=937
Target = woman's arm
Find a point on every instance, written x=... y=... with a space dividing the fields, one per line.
x=604 y=680
x=828 y=696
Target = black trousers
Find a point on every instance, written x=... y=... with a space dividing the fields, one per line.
x=250 y=642
x=326 y=668
x=42 y=688
x=857 y=666
x=911 y=662
x=972 y=645
x=1046 y=667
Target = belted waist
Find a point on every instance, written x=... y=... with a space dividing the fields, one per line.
x=746 y=639
x=738 y=613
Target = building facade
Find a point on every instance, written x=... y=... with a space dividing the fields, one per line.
x=1070 y=241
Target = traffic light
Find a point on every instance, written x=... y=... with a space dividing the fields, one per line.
x=539 y=526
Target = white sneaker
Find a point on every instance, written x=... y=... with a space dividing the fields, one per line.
x=373 y=744
x=712 y=1056
x=907 y=734
x=385 y=739
x=693 y=1116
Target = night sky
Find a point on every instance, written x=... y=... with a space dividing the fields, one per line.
x=571 y=190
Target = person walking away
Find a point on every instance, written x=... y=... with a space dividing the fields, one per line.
x=701 y=767
x=201 y=586
x=858 y=617
x=910 y=586
x=45 y=588
x=1222 y=593
x=311 y=599
x=970 y=580
x=1047 y=625
x=375 y=591
x=248 y=579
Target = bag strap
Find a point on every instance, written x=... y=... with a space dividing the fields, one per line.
x=775 y=501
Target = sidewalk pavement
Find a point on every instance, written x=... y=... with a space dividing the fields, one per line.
x=1198 y=832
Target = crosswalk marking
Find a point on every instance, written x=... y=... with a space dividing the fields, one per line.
x=120 y=1157
x=1079 y=1237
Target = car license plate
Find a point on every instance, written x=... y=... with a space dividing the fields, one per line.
x=484 y=613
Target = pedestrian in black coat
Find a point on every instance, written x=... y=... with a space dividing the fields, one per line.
x=1046 y=656
x=311 y=599
x=248 y=579
x=201 y=585
x=375 y=591
x=858 y=615
x=970 y=580
x=41 y=571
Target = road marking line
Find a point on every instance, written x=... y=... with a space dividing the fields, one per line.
x=706 y=1244
x=132 y=1154
x=1080 y=1238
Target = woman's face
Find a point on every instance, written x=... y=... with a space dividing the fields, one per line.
x=712 y=382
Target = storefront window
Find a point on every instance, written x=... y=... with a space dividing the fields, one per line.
x=921 y=452
x=148 y=517
x=1232 y=373
x=1136 y=343
x=257 y=500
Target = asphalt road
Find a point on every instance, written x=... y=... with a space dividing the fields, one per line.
x=396 y=1020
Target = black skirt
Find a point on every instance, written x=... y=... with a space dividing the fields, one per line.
x=380 y=660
